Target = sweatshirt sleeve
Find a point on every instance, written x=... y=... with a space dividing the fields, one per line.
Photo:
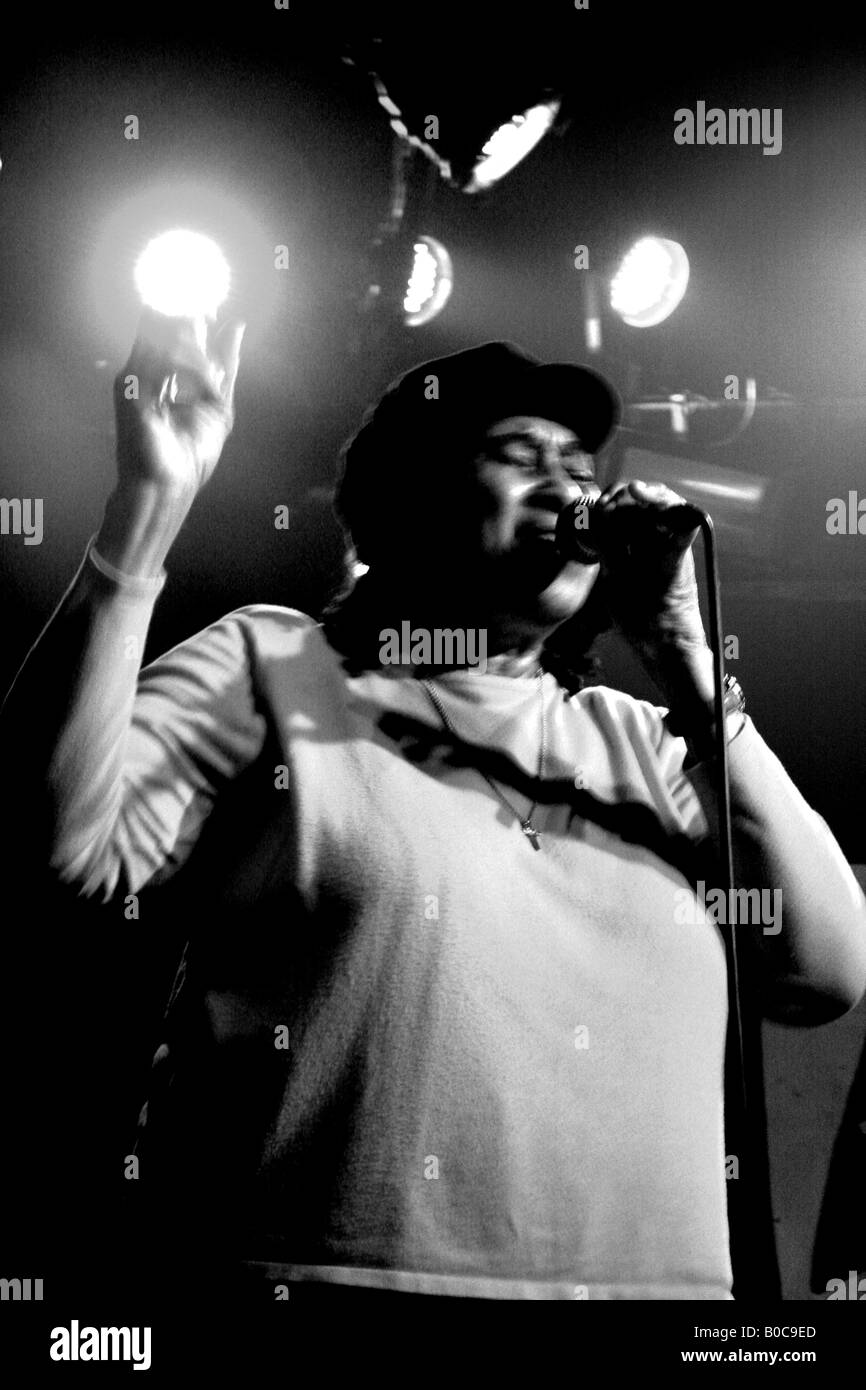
x=195 y=726
x=679 y=794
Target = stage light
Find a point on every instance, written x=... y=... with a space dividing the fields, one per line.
x=430 y=282
x=511 y=143
x=473 y=108
x=183 y=275
x=650 y=282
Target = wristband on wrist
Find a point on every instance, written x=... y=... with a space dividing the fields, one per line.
x=740 y=727
x=130 y=583
x=735 y=700
x=735 y=703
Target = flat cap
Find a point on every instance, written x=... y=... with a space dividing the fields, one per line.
x=433 y=413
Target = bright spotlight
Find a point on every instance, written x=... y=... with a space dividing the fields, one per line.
x=182 y=274
x=472 y=110
x=650 y=282
x=430 y=282
x=510 y=143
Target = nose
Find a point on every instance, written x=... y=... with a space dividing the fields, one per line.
x=556 y=488
x=552 y=494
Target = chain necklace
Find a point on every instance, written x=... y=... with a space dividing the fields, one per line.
x=526 y=824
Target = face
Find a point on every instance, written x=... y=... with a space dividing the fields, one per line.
x=526 y=470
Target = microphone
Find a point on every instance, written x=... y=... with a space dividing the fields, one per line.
x=584 y=531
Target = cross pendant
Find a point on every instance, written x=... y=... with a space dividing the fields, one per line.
x=530 y=832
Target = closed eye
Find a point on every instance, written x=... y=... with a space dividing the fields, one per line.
x=532 y=460
x=517 y=460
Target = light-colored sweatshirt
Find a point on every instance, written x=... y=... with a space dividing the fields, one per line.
x=407 y=1049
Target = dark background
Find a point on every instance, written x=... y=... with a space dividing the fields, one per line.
x=250 y=119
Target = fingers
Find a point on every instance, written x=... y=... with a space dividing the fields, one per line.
x=170 y=362
x=643 y=534
x=657 y=495
x=636 y=493
x=634 y=499
x=227 y=350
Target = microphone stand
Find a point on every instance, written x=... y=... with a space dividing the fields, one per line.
x=756 y=1272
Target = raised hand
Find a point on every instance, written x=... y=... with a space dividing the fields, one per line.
x=174 y=404
x=649 y=574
